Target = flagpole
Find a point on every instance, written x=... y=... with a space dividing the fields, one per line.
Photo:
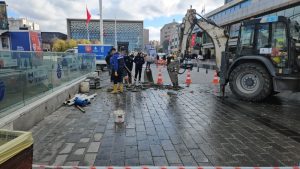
x=116 y=38
x=88 y=32
x=101 y=22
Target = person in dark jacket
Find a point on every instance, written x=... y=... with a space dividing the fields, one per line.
x=118 y=71
x=139 y=62
x=107 y=59
x=129 y=66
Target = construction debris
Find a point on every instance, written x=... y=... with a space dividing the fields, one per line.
x=80 y=101
x=94 y=81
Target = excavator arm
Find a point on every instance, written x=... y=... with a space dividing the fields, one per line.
x=218 y=35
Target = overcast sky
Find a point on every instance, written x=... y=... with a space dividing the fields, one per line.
x=51 y=14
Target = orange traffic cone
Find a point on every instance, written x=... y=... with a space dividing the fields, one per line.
x=216 y=79
x=159 y=78
x=188 y=80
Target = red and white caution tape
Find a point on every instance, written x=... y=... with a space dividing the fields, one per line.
x=153 y=167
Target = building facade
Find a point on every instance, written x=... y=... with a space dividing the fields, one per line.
x=227 y=1
x=155 y=44
x=128 y=32
x=169 y=37
x=146 y=36
x=22 y=24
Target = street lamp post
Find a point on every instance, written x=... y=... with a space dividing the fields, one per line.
x=101 y=21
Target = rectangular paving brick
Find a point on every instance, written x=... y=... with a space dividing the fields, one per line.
x=132 y=162
x=156 y=150
x=188 y=161
x=140 y=128
x=173 y=157
x=94 y=147
x=67 y=148
x=206 y=149
x=160 y=161
x=89 y=159
x=60 y=160
x=145 y=158
x=143 y=145
x=130 y=132
x=118 y=159
x=182 y=150
x=167 y=145
x=97 y=137
x=130 y=141
x=131 y=152
x=199 y=156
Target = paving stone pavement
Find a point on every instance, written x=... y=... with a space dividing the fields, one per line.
x=192 y=127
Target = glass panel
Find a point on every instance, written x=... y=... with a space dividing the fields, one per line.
x=279 y=40
x=247 y=36
x=234 y=30
x=27 y=76
x=263 y=36
x=279 y=45
x=11 y=81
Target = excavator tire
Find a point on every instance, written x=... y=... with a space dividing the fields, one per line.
x=251 y=82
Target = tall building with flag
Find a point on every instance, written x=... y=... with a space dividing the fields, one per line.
x=129 y=33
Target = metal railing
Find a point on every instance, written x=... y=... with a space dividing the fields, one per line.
x=27 y=76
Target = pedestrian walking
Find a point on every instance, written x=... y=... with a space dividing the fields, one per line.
x=129 y=66
x=139 y=62
x=118 y=71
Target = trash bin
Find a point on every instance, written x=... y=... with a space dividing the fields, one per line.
x=16 y=150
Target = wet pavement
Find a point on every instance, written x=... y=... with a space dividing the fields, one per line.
x=162 y=127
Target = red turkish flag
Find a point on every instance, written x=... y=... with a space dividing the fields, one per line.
x=88 y=16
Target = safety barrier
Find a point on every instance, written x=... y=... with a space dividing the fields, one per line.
x=153 y=167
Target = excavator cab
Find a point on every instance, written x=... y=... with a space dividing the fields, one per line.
x=267 y=58
x=270 y=37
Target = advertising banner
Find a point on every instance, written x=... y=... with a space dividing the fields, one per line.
x=35 y=40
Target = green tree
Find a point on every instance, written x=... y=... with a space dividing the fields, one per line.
x=59 y=45
x=83 y=41
x=160 y=50
x=71 y=43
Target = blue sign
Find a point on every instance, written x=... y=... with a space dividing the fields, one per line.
x=59 y=71
x=20 y=41
x=2 y=90
x=101 y=51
